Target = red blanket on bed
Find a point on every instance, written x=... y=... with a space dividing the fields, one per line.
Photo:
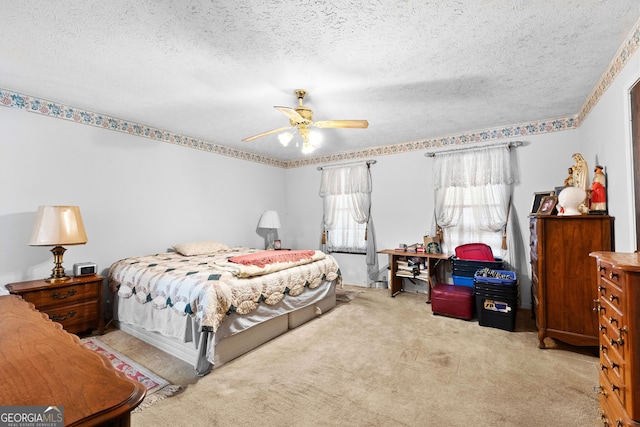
x=260 y=259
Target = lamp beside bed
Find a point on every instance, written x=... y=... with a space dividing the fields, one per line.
x=271 y=221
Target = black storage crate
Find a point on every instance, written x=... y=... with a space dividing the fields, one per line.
x=497 y=312
x=468 y=268
x=497 y=301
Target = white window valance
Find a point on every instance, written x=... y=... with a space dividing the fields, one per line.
x=345 y=180
x=473 y=168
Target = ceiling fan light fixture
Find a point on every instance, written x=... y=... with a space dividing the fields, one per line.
x=308 y=148
x=315 y=137
x=301 y=117
x=285 y=138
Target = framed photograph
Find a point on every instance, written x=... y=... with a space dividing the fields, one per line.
x=277 y=245
x=547 y=205
x=537 y=199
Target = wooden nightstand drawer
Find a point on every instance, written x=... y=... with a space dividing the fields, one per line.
x=63 y=295
x=75 y=318
x=75 y=303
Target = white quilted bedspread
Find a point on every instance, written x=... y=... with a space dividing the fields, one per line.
x=209 y=287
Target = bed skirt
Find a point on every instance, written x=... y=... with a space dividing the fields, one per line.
x=181 y=336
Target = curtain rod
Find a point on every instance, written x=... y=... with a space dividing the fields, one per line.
x=368 y=162
x=506 y=144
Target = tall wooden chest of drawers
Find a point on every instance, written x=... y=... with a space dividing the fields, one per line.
x=619 y=333
x=563 y=276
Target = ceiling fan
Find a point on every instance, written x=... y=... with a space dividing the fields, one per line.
x=302 y=118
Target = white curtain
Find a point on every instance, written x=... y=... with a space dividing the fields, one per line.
x=472 y=198
x=349 y=188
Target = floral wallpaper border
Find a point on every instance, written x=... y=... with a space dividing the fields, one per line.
x=61 y=111
x=52 y=109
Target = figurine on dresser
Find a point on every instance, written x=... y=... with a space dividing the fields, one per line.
x=580 y=172
x=598 y=196
x=573 y=200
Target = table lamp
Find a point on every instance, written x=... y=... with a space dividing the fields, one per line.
x=269 y=220
x=57 y=226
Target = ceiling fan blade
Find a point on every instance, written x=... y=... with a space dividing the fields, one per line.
x=291 y=113
x=260 y=135
x=360 y=124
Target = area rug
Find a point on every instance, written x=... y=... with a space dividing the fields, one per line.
x=157 y=387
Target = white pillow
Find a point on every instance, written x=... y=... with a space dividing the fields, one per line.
x=200 y=248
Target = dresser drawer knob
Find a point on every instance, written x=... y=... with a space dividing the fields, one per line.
x=602 y=288
x=602 y=328
x=614 y=297
x=603 y=367
x=613 y=320
x=617 y=342
x=613 y=275
x=60 y=318
x=603 y=348
x=602 y=391
x=596 y=305
x=614 y=365
x=56 y=295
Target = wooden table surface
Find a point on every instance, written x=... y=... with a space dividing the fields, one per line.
x=43 y=365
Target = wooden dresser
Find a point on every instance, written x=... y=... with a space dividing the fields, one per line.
x=75 y=303
x=563 y=276
x=619 y=324
x=41 y=364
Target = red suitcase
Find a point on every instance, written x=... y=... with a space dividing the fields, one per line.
x=452 y=301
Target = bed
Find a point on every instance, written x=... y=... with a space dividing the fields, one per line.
x=207 y=303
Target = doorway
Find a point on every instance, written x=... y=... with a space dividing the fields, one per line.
x=635 y=138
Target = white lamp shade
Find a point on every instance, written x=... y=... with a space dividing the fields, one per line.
x=269 y=219
x=58 y=225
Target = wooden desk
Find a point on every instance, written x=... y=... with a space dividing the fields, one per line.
x=433 y=263
x=41 y=364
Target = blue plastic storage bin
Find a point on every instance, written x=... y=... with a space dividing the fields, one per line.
x=463 y=281
x=496 y=281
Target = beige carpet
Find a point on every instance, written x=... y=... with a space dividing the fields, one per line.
x=381 y=361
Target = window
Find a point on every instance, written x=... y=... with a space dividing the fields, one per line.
x=472 y=198
x=346 y=195
x=471 y=226
x=345 y=234
x=347 y=223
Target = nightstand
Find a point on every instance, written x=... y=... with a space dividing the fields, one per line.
x=75 y=303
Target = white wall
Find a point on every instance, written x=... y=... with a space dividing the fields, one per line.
x=140 y=196
x=137 y=196
x=402 y=205
x=403 y=196
x=605 y=134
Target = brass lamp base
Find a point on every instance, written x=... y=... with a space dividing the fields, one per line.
x=57 y=274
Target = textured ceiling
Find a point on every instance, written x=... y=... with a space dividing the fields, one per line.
x=213 y=70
